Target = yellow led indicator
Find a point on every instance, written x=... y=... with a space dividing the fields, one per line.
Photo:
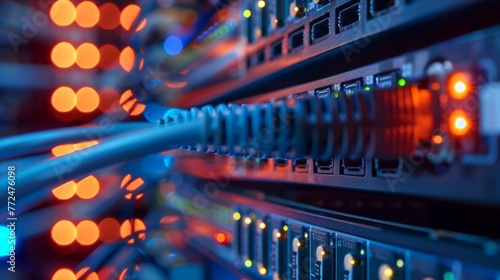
x=261 y=4
x=306 y=235
x=298 y=244
x=285 y=228
x=388 y=272
x=323 y=253
x=278 y=235
x=247 y=13
x=248 y=263
x=400 y=263
x=236 y=216
x=353 y=262
x=248 y=220
x=263 y=270
x=262 y=225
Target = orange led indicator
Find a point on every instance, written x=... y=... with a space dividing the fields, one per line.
x=459 y=123
x=220 y=238
x=437 y=139
x=459 y=84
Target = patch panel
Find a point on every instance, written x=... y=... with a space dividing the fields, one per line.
x=305 y=245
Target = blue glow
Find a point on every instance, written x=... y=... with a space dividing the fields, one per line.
x=154 y=111
x=171 y=256
x=151 y=241
x=152 y=165
x=169 y=161
x=4 y=238
x=171 y=113
x=173 y=45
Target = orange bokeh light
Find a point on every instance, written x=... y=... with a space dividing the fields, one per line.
x=111 y=18
x=87 y=56
x=87 y=232
x=132 y=186
x=459 y=84
x=109 y=229
x=87 y=100
x=437 y=139
x=65 y=191
x=64 y=274
x=126 y=229
x=141 y=25
x=88 y=187
x=63 y=55
x=127 y=59
x=130 y=104
x=220 y=237
x=87 y=14
x=459 y=123
x=65 y=149
x=63 y=12
x=129 y=15
x=63 y=99
x=90 y=276
x=110 y=56
x=63 y=232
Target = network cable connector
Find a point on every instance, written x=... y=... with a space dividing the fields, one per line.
x=379 y=122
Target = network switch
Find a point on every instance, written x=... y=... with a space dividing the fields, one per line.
x=474 y=151
x=313 y=244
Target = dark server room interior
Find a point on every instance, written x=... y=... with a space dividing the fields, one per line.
x=250 y=139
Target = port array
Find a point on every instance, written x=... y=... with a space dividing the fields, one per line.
x=264 y=19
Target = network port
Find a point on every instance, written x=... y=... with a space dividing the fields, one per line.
x=320 y=28
x=281 y=165
x=378 y=7
x=296 y=39
x=261 y=57
x=352 y=87
x=277 y=48
x=387 y=80
x=348 y=15
x=323 y=166
x=352 y=167
x=323 y=92
x=387 y=168
x=301 y=165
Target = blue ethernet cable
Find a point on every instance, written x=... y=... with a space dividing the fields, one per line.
x=24 y=144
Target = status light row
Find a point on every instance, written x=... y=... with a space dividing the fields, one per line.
x=86 y=14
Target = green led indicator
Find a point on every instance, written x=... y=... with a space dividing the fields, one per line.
x=367 y=88
x=402 y=82
x=336 y=95
x=248 y=263
x=247 y=13
x=449 y=276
